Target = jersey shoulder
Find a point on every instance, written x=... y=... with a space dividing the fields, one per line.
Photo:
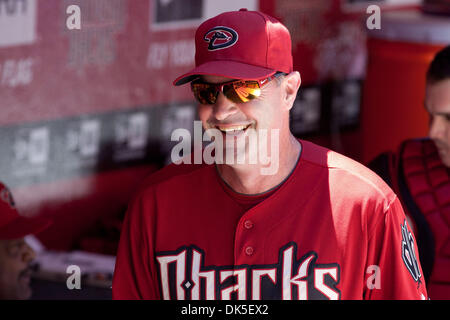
x=171 y=174
x=343 y=171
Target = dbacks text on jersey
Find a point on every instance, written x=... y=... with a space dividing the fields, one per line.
x=183 y=275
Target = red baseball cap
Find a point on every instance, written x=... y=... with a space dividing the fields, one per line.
x=13 y=225
x=240 y=45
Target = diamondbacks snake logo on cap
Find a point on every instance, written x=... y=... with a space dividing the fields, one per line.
x=220 y=38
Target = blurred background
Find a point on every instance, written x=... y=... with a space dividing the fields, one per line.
x=86 y=114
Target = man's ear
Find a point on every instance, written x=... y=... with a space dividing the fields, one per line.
x=292 y=83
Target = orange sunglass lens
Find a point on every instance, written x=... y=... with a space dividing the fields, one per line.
x=248 y=91
x=243 y=91
x=238 y=91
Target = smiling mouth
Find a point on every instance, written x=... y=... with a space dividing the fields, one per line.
x=232 y=130
x=25 y=277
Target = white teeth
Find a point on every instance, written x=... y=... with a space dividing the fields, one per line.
x=231 y=129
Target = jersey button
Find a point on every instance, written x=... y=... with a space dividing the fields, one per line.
x=249 y=250
x=248 y=224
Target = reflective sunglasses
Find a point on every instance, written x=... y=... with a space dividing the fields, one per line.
x=238 y=91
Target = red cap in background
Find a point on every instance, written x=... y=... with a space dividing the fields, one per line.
x=13 y=225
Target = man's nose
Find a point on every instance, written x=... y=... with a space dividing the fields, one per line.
x=223 y=108
x=28 y=254
x=436 y=131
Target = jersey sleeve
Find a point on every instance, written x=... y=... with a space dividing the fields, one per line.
x=134 y=274
x=393 y=270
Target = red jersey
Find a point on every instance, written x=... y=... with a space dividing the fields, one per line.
x=332 y=230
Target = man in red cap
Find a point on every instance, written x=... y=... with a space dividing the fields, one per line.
x=318 y=225
x=15 y=254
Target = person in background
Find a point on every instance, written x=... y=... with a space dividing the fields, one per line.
x=15 y=254
x=419 y=172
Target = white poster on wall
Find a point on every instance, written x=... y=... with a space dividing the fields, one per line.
x=361 y=5
x=17 y=22
x=176 y=14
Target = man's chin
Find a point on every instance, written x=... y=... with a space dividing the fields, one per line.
x=24 y=290
x=446 y=161
x=25 y=293
x=445 y=157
